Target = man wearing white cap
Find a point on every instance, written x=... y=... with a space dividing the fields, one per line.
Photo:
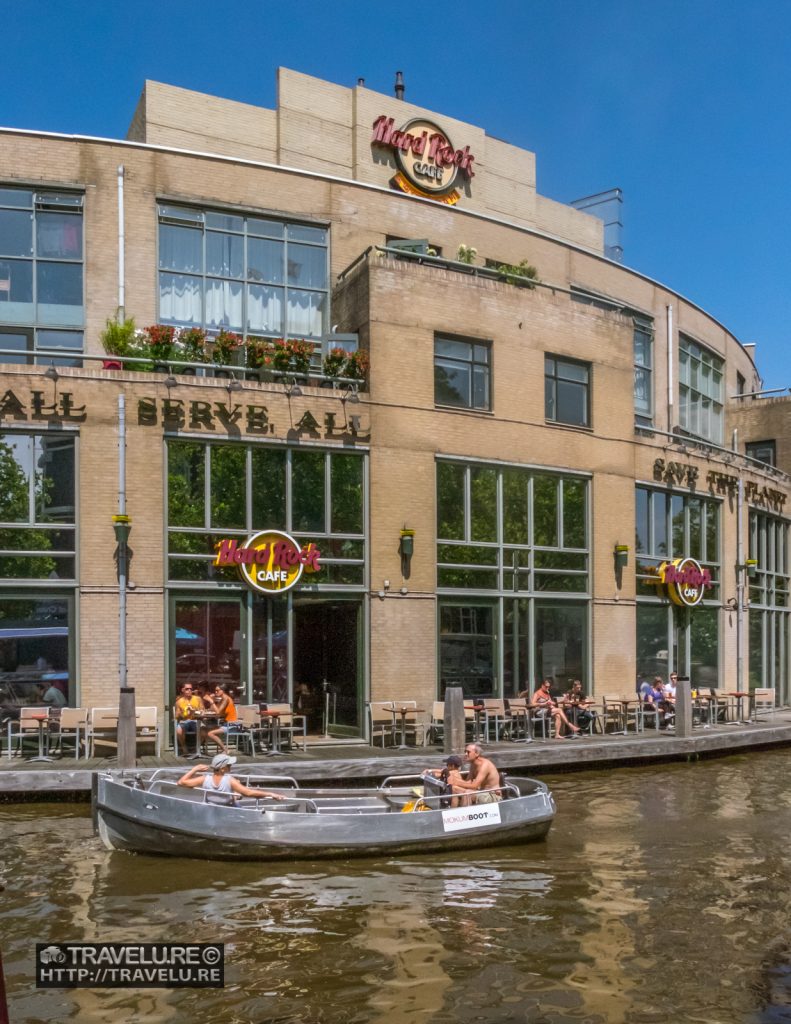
x=221 y=780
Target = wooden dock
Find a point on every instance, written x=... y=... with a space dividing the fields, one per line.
x=21 y=780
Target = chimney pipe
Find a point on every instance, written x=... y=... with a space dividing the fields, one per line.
x=399 y=85
x=361 y=81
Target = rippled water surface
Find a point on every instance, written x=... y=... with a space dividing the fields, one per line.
x=661 y=895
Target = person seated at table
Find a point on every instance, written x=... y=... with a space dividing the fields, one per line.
x=223 y=706
x=670 y=688
x=482 y=775
x=545 y=704
x=657 y=698
x=51 y=695
x=580 y=707
x=221 y=780
x=187 y=706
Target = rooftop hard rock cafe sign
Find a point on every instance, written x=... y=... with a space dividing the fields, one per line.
x=270 y=562
x=685 y=581
x=428 y=163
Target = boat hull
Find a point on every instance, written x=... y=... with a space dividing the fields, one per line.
x=141 y=821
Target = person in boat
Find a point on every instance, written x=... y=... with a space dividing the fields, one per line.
x=187 y=706
x=483 y=775
x=544 y=703
x=223 y=706
x=446 y=778
x=220 y=780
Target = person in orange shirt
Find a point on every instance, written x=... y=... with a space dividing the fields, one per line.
x=225 y=708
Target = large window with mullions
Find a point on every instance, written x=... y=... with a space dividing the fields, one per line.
x=513 y=577
x=251 y=274
x=232 y=490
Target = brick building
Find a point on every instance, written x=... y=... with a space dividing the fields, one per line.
x=537 y=476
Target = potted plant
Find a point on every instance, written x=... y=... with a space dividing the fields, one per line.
x=357 y=364
x=519 y=274
x=281 y=356
x=117 y=338
x=226 y=345
x=191 y=346
x=334 y=362
x=161 y=340
x=258 y=357
x=301 y=354
x=466 y=254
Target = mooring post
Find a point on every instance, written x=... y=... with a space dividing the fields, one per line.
x=454 y=720
x=127 y=728
x=683 y=707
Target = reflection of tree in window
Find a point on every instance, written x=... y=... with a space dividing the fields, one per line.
x=186 y=481
x=15 y=507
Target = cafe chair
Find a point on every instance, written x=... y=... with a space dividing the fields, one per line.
x=619 y=714
x=519 y=723
x=495 y=716
x=436 y=726
x=381 y=721
x=102 y=730
x=650 y=715
x=72 y=725
x=24 y=727
x=147 y=728
x=251 y=729
x=763 y=702
x=290 y=723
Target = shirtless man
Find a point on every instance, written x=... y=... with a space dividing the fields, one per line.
x=482 y=775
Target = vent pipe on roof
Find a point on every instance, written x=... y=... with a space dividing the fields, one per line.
x=399 y=85
x=361 y=81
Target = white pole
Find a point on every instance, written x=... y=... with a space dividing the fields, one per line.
x=122 y=555
x=669 y=368
x=121 y=245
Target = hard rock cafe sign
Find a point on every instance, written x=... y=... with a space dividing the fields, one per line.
x=270 y=562
x=685 y=581
x=428 y=163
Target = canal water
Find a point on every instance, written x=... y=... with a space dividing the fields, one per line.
x=662 y=894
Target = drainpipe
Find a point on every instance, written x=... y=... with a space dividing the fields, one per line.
x=121 y=245
x=127 y=743
x=669 y=368
x=739 y=579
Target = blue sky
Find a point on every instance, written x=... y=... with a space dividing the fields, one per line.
x=683 y=104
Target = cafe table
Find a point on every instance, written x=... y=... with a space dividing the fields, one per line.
x=625 y=703
x=41 y=721
x=274 y=732
x=403 y=712
x=201 y=719
x=740 y=695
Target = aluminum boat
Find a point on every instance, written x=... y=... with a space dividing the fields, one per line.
x=148 y=812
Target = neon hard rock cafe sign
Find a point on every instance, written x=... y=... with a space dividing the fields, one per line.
x=270 y=562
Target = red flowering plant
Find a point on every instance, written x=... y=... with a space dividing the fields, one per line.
x=292 y=355
x=259 y=354
x=191 y=345
x=334 y=361
x=160 y=340
x=225 y=345
x=357 y=365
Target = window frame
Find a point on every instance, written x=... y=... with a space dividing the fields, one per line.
x=42 y=202
x=472 y=364
x=195 y=216
x=694 y=402
x=752 y=448
x=552 y=379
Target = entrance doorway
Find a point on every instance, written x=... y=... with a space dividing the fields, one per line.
x=326 y=664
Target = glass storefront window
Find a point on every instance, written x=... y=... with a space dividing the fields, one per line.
x=769 y=619
x=484 y=514
x=669 y=526
x=36 y=637
x=467 y=648
x=560 y=643
x=37 y=507
x=207 y=644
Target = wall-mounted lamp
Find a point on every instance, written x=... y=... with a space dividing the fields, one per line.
x=233 y=385
x=292 y=389
x=621 y=555
x=52 y=374
x=350 y=395
x=407 y=548
x=751 y=565
x=122 y=525
x=170 y=382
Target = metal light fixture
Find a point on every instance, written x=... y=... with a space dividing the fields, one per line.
x=122 y=525
x=621 y=554
x=170 y=382
x=407 y=548
x=51 y=373
x=350 y=395
x=751 y=565
x=292 y=389
x=233 y=385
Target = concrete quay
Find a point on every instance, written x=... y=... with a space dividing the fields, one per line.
x=22 y=780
